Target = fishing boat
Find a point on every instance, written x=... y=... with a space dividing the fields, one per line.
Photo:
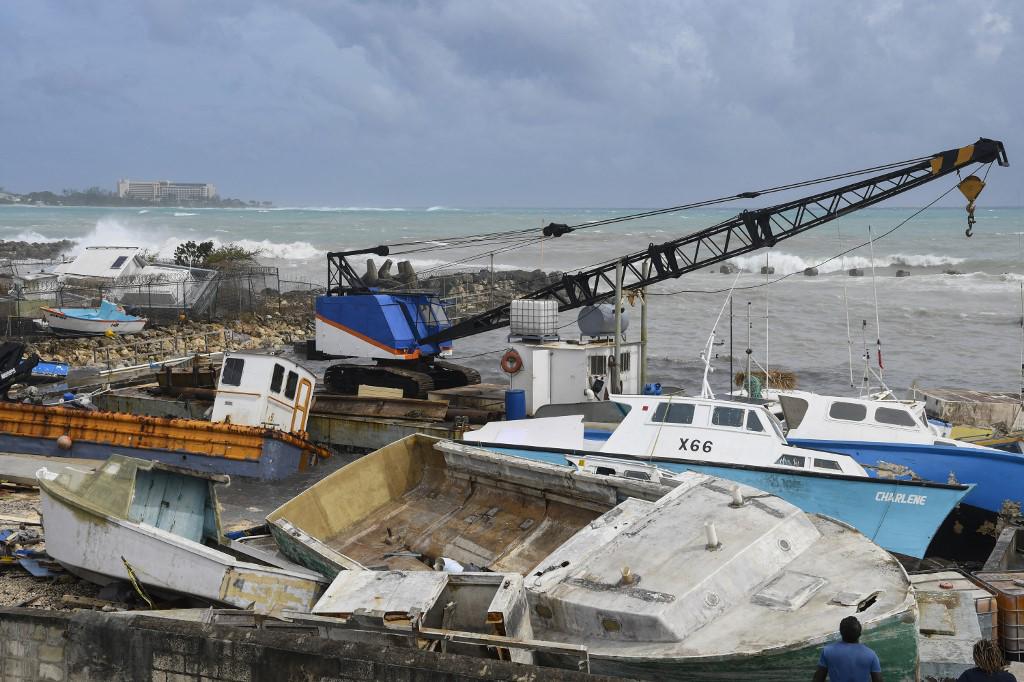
x=159 y=526
x=107 y=318
x=257 y=430
x=703 y=580
x=741 y=442
x=898 y=433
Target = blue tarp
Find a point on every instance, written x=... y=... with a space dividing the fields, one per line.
x=106 y=311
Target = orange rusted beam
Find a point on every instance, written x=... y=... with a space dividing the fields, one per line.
x=128 y=430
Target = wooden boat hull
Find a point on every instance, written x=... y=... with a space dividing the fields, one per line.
x=205 y=446
x=96 y=547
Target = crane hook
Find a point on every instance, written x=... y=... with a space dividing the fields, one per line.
x=971 y=187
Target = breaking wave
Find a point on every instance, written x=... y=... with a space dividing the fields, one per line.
x=33 y=236
x=786 y=263
x=182 y=214
x=112 y=232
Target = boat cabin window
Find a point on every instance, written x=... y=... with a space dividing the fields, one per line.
x=293 y=383
x=794 y=409
x=673 y=413
x=638 y=475
x=753 y=422
x=851 y=412
x=598 y=364
x=624 y=362
x=890 y=415
x=276 y=379
x=727 y=416
x=827 y=464
x=606 y=471
x=791 y=461
x=231 y=375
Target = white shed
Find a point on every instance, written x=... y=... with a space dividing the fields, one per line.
x=105 y=262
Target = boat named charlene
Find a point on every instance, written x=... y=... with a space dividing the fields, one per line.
x=898 y=433
x=132 y=519
x=744 y=443
x=258 y=427
x=708 y=580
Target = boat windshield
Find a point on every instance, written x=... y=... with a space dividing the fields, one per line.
x=776 y=425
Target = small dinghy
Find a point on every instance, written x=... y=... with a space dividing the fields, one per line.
x=109 y=317
x=136 y=520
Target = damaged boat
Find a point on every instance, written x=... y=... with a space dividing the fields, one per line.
x=710 y=580
x=135 y=520
x=744 y=443
x=257 y=429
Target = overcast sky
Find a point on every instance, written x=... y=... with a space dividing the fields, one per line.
x=504 y=103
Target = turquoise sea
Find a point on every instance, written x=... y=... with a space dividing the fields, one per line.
x=937 y=329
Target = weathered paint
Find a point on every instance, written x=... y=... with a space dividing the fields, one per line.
x=364 y=434
x=206 y=446
x=160 y=522
x=893 y=639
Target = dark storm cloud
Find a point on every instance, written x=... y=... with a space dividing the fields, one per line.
x=499 y=103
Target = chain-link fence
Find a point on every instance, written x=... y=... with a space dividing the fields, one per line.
x=189 y=293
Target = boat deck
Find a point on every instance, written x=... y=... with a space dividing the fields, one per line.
x=470 y=521
x=408 y=505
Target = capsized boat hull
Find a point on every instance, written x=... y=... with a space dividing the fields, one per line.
x=96 y=548
x=996 y=474
x=901 y=516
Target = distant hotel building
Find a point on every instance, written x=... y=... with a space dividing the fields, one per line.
x=160 y=190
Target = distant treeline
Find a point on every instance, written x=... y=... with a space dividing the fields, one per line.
x=97 y=196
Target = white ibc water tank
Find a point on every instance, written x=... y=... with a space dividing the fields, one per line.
x=528 y=317
x=599 y=320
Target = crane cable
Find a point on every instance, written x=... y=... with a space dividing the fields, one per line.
x=455 y=241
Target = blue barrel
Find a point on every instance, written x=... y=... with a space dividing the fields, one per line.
x=515 y=404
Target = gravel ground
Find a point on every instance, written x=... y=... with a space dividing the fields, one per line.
x=16 y=584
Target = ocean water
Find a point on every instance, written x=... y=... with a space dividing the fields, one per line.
x=936 y=329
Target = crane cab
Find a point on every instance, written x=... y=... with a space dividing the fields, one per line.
x=381 y=326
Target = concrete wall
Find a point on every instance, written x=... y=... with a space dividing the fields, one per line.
x=86 y=645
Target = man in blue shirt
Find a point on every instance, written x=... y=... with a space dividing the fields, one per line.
x=848 y=660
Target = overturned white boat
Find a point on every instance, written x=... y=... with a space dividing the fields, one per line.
x=138 y=520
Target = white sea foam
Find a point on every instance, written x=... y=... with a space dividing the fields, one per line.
x=113 y=232
x=145 y=210
x=182 y=214
x=786 y=263
x=33 y=236
x=442 y=208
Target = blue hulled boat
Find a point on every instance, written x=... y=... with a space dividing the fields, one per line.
x=896 y=437
x=743 y=443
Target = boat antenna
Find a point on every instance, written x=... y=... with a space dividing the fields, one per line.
x=874 y=288
x=767 y=292
x=732 y=355
x=750 y=351
x=846 y=306
x=865 y=386
x=705 y=389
